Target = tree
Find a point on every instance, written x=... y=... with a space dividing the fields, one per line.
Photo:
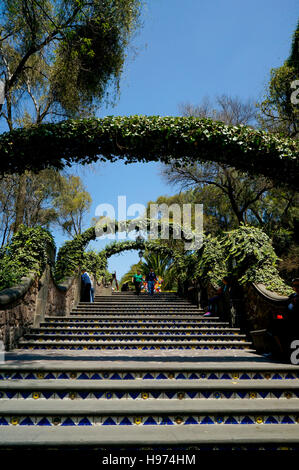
x=41 y=188
x=163 y=267
x=50 y=198
x=228 y=109
x=127 y=277
x=57 y=59
x=239 y=189
x=72 y=204
x=7 y=206
x=81 y=45
x=277 y=112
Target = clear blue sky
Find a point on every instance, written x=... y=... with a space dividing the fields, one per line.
x=186 y=50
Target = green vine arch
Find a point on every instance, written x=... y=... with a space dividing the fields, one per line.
x=71 y=254
x=246 y=253
x=150 y=138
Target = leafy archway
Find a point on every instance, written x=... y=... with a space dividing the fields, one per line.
x=245 y=252
x=96 y=263
x=71 y=254
x=145 y=139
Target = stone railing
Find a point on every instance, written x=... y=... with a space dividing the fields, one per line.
x=250 y=307
x=27 y=304
x=261 y=306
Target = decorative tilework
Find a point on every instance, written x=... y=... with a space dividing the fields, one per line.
x=165 y=420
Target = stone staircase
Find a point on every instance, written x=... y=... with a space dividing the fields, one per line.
x=152 y=372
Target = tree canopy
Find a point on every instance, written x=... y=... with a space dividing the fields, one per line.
x=279 y=113
x=74 y=48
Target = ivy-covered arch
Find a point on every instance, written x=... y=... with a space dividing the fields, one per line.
x=126 y=245
x=145 y=139
x=246 y=253
x=71 y=254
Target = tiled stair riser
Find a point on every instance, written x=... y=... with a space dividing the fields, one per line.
x=181 y=399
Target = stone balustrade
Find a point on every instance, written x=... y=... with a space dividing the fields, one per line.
x=27 y=304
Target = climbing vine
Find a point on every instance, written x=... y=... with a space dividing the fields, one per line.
x=71 y=254
x=210 y=263
x=96 y=264
x=28 y=252
x=250 y=257
x=246 y=253
x=145 y=139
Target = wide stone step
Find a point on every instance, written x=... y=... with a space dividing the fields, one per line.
x=142 y=313
x=148 y=319
x=146 y=299
x=136 y=336
x=125 y=344
x=276 y=436
x=144 y=371
x=140 y=329
x=140 y=301
x=117 y=325
x=98 y=323
x=152 y=315
x=137 y=302
x=138 y=310
x=136 y=313
x=154 y=413
x=164 y=389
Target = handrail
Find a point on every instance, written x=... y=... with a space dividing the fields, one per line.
x=269 y=295
x=11 y=294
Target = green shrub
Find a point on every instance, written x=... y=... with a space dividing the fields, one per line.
x=28 y=251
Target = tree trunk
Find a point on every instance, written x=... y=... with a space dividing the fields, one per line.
x=20 y=202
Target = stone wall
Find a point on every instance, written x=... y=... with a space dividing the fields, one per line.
x=27 y=304
x=101 y=289
x=17 y=310
x=64 y=297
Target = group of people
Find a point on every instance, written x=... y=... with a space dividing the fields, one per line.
x=87 y=288
x=150 y=279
